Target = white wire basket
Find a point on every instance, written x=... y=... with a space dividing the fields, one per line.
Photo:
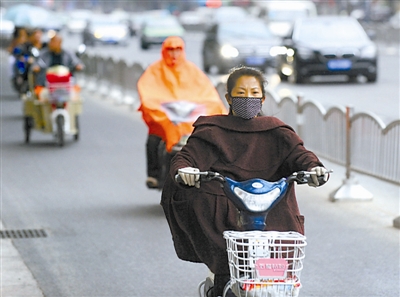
x=265 y=263
x=60 y=91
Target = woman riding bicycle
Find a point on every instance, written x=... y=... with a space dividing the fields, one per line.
x=241 y=145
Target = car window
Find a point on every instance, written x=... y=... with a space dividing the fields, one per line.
x=229 y=13
x=330 y=30
x=245 y=29
x=163 y=22
x=286 y=15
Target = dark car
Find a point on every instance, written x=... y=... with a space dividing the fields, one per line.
x=328 y=45
x=105 y=30
x=229 y=43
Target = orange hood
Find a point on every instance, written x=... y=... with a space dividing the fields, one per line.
x=184 y=81
x=173 y=42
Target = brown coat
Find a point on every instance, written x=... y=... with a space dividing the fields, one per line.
x=263 y=147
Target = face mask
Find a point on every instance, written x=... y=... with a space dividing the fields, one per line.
x=246 y=107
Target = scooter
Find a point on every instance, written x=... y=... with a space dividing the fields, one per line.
x=261 y=263
x=21 y=69
x=182 y=114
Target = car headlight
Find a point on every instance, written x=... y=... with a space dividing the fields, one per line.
x=369 y=52
x=121 y=33
x=97 y=34
x=305 y=53
x=228 y=51
x=277 y=51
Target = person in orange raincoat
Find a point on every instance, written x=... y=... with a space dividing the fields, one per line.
x=172 y=78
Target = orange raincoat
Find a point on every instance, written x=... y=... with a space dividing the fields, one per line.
x=165 y=81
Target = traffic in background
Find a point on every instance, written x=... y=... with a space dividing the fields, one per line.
x=105 y=233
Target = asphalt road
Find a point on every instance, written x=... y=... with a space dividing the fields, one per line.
x=107 y=235
x=381 y=98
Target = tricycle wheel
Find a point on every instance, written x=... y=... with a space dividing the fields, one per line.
x=76 y=136
x=60 y=130
x=27 y=128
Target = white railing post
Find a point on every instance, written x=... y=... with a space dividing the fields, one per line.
x=300 y=116
x=350 y=189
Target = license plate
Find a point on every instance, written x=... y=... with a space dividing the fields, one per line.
x=255 y=61
x=339 y=64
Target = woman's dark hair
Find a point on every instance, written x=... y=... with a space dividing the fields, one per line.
x=237 y=72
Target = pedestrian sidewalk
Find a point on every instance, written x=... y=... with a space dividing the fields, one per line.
x=16 y=280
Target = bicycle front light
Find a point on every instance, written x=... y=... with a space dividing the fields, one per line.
x=257 y=202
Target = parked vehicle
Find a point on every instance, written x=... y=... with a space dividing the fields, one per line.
x=105 y=30
x=156 y=30
x=254 y=254
x=230 y=43
x=328 y=45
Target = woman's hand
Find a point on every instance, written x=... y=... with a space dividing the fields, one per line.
x=189 y=176
x=319 y=171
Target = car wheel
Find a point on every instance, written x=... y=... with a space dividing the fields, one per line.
x=353 y=78
x=76 y=136
x=88 y=42
x=296 y=77
x=372 y=78
x=206 y=67
x=282 y=76
x=28 y=125
x=214 y=69
x=60 y=130
x=144 y=45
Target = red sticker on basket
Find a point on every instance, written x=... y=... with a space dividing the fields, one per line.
x=271 y=268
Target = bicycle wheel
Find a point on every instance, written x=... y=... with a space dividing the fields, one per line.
x=60 y=130
x=28 y=128
x=76 y=136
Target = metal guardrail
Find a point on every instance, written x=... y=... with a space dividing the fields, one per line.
x=375 y=147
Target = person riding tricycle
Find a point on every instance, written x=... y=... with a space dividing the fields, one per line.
x=53 y=104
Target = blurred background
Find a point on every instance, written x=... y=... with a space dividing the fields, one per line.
x=382 y=11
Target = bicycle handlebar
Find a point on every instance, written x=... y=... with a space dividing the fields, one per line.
x=300 y=177
x=254 y=198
